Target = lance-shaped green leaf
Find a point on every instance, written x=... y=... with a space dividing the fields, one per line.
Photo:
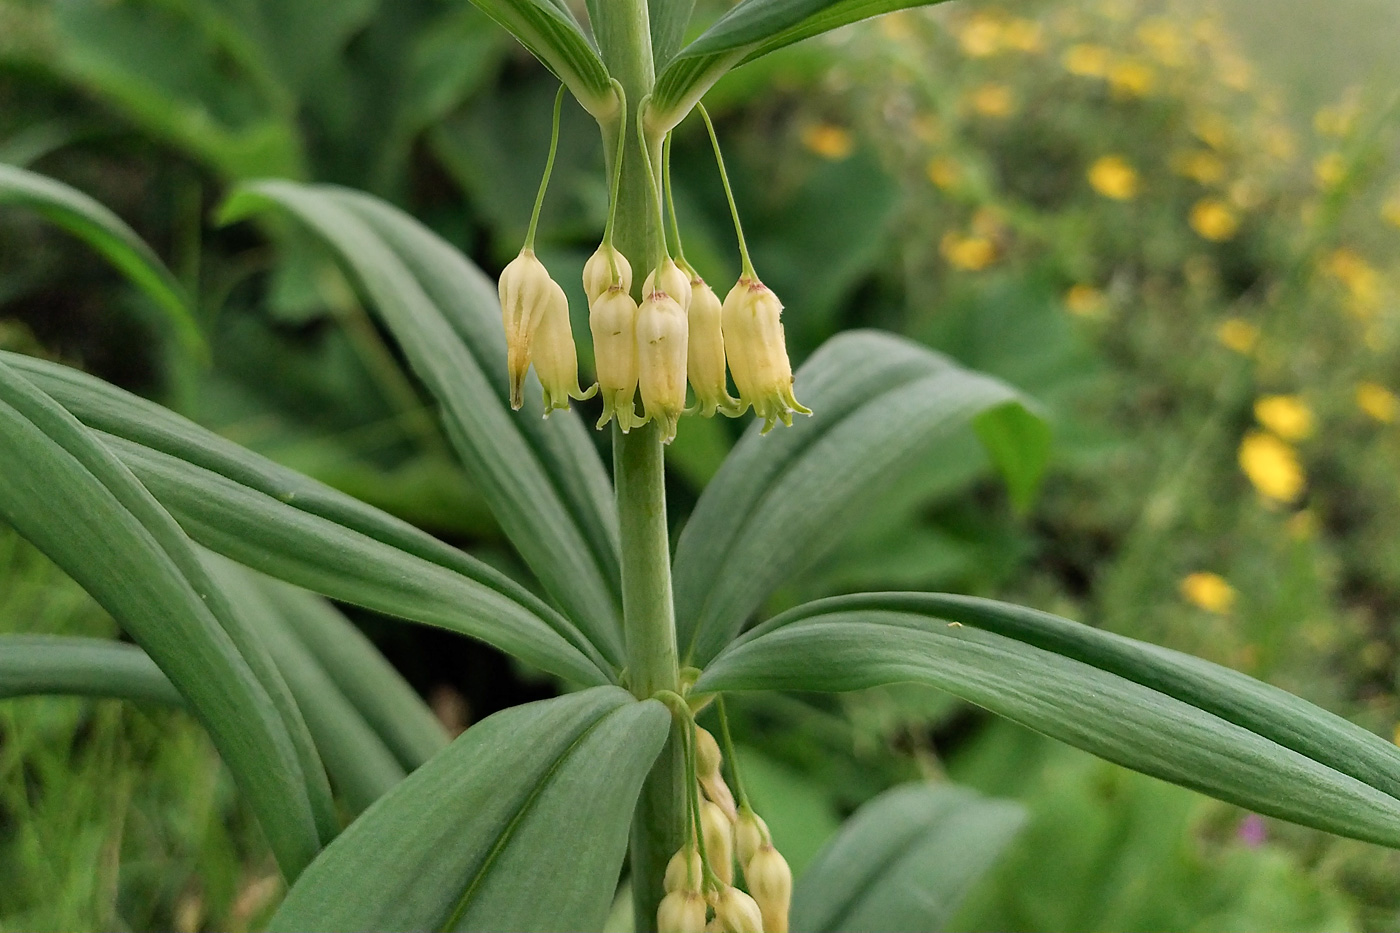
x=525 y=498
x=64 y=665
x=550 y=32
x=360 y=765
x=904 y=861
x=1150 y=709
x=69 y=496
x=105 y=232
x=521 y=824
x=468 y=302
x=751 y=29
x=881 y=404
x=313 y=536
x=378 y=692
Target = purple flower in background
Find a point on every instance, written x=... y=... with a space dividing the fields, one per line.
x=1252 y=831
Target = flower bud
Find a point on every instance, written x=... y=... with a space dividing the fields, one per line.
x=526 y=290
x=750 y=835
x=705 y=355
x=707 y=769
x=672 y=280
x=719 y=840
x=757 y=349
x=605 y=268
x=736 y=911
x=681 y=912
x=556 y=360
x=683 y=872
x=612 y=318
x=769 y=880
x=661 y=349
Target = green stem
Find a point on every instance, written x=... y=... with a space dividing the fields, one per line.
x=614 y=189
x=728 y=193
x=729 y=751
x=671 y=204
x=623 y=30
x=548 y=170
x=659 y=251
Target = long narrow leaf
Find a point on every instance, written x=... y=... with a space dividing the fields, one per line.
x=904 y=861
x=360 y=765
x=881 y=403
x=526 y=501
x=1159 y=712
x=347 y=544
x=553 y=36
x=521 y=824
x=94 y=667
x=378 y=692
x=67 y=494
x=105 y=232
x=751 y=29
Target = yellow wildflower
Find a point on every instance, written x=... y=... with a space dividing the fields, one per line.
x=1238 y=334
x=1288 y=416
x=1213 y=129
x=993 y=99
x=1390 y=210
x=1199 y=165
x=1360 y=278
x=981 y=36
x=1330 y=170
x=1246 y=194
x=1023 y=35
x=1377 y=401
x=1208 y=591
x=1214 y=220
x=828 y=141
x=1235 y=72
x=1088 y=61
x=1084 y=300
x=944 y=171
x=1163 y=40
x=1112 y=177
x=1337 y=120
x=1272 y=466
x=971 y=253
x=1131 y=78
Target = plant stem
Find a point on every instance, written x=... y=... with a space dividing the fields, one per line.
x=623 y=29
x=548 y=170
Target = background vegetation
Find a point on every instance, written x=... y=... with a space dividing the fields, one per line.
x=1175 y=226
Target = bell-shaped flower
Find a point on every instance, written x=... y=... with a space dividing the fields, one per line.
x=757 y=352
x=681 y=912
x=673 y=280
x=769 y=880
x=612 y=317
x=661 y=351
x=605 y=268
x=554 y=355
x=526 y=292
x=735 y=911
x=705 y=352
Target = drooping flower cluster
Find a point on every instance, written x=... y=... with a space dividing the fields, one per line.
x=679 y=334
x=700 y=878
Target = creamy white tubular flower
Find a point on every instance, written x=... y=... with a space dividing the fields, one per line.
x=705 y=355
x=681 y=912
x=526 y=291
x=605 y=268
x=736 y=911
x=769 y=880
x=718 y=834
x=554 y=354
x=757 y=351
x=673 y=280
x=612 y=318
x=662 y=335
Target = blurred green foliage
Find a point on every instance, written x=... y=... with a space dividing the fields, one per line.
x=1104 y=203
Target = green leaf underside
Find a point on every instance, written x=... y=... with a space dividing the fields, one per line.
x=66 y=493
x=881 y=403
x=306 y=533
x=378 y=692
x=751 y=30
x=1150 y=709
x=553 y=36
x=904 y=861
x=520 y=824
x=523 y=496
x=361 y=767
x=33 y=665
x=105 y=232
